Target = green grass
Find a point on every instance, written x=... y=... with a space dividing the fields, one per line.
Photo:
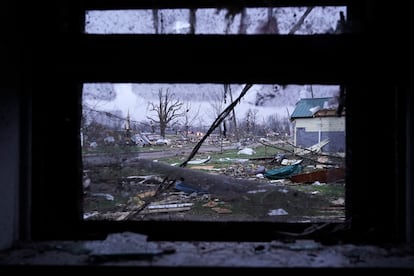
x=103 y=205
x=327 y=190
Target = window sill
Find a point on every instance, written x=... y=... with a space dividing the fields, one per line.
x=133 y=250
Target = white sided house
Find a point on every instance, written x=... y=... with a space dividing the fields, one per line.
x=315 y=120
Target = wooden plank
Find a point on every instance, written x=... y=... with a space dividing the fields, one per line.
x=164 y=210
x=170 y=206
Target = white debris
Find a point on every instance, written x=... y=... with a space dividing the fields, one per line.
x=277 y=212
x=256 y=191
x=248 y=151
x=106 y=196
x=90 y=214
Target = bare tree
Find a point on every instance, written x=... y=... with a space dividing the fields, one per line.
x=94 y=96
x=190 y=115
x=243 y=21
x=217 y=122
x=270 y=25
x=217 y=102
x=193 y=20
x=227 y=90
x=158 y=21
x=252 y=115
x=155 y=20
x=278 y=124
x=168 y=108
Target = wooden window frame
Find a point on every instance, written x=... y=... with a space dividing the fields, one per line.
x=55 y=207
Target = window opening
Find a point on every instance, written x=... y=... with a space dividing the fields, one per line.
x=275 y=152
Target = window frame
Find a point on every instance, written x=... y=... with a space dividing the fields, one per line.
x=56 y=211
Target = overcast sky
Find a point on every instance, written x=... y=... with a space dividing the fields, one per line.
x=266 y=99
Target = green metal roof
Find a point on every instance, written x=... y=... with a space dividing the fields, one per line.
x=303 y=106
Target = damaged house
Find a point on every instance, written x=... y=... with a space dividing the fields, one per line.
x=315 y=121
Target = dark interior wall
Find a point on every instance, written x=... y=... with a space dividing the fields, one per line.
x=9 y=165
x=407 y=146
x=381 y=200
x=374 y=199
x=43 y=51
x=9 y=131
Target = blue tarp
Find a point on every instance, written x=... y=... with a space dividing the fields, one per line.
x=187 y=188
x=283 y=172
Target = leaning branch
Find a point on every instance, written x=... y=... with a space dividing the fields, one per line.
x=216 y=123
x=300 y=21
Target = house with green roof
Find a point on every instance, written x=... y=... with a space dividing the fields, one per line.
x=315 y=120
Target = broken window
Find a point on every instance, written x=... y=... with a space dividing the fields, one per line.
x=213 y=152
x=179 y=151
x=221 y=21
x=193 y=133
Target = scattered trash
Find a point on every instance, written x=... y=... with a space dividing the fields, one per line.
x=283 y=172
x=147 y=194
x=286 y=162
x=106 y=196
x=210 y=204
x=278 y=181
x=321 y=175
x=280 y=157
x=199 y=161
x=338 y=202
x=248 y=151
x=165 y=208
x=259 y=169
x=187 y=188
x=257 y=191
x=145 y=178
x=90 y=214
x=277 y=212
x=312 y=149
x=235 y=160
x=170 y=206
x=221 y=210
x=86 y=180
